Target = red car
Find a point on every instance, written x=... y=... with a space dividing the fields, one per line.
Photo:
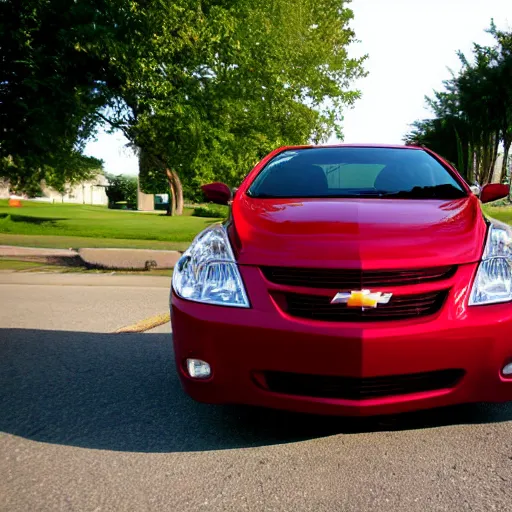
x=351 y=280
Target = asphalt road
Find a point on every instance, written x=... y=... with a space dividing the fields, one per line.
x=79 y=302
x=94 y=421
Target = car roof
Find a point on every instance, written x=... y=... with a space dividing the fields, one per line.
x=354 y=145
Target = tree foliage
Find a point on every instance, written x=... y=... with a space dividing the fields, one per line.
x=473 y=115
x=122 y=188
x=47 y=95
x=203 y=88
x=26 y=178
x=258 y=75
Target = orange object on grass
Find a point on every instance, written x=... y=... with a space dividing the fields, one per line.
x=15 y=203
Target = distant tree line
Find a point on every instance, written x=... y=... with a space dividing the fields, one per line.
x=473 y=114
x=202 y=89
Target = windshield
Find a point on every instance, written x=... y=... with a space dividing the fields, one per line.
x=355 y=172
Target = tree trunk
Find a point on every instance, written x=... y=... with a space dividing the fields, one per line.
x=176 y=192
x=478 y=164
x=474 y=164
x=484 y=165
x=504 y=164
x=494 y=156
x=171 y=205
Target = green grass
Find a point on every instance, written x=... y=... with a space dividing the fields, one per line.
x=101 y=226
x=74 y=226
x=502 y=213
x=214 y=211
x=20 y=265
x=76 y=242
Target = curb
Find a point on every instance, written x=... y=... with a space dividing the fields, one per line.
x=64 y=261
x=97 y=258
x=128 y=259
x=145 y=324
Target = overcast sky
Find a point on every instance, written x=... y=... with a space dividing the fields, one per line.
x=410 y=43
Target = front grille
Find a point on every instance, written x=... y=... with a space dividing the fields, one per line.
x=354 y=279
x=351 y=388
x=319 y=307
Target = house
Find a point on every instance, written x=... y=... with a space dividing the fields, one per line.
x=88 y=192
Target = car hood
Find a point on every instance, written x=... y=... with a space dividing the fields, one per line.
x=357 y=233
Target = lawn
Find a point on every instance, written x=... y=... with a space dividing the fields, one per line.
x=7 y=264
x=76 y=242
x=69 y=225
x=503 y=213
x=75 y=226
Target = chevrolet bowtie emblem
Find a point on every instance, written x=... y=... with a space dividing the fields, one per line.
x=361 y=299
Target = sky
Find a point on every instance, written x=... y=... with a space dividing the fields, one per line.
x=411 y=44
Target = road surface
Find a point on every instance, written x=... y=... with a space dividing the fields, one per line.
x=95 y=421
x=79 y=302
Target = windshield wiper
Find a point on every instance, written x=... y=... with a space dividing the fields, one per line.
x=436 y=192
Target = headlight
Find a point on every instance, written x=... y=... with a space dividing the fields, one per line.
x=207 y=272
x=493 y=282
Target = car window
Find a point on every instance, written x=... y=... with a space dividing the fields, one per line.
x=352 y=175
x=355 y=172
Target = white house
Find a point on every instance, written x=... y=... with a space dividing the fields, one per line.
x=88 y=192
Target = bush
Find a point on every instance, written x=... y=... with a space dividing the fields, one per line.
x=500 y=203
x=121 y=190
x=211 y=211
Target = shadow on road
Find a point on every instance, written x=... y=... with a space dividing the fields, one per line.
x=121 y=392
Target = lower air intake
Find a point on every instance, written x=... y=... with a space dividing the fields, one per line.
x=351 y=388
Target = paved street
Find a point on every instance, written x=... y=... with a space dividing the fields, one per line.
x=95 y=421
x=79 y=302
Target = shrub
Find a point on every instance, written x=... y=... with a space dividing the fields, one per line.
x=122 y=189
x=211 y=211
x=500 y=203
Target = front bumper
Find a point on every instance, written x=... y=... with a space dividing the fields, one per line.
x=242 y=344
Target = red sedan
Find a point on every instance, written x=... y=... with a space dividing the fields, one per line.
x=351 y=280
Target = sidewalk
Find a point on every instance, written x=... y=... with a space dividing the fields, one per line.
x=12 y=251
x=114 y=259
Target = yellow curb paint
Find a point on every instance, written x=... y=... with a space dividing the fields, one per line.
x=146 y=324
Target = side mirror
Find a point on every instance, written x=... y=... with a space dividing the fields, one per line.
x=493 y=192
x=218 y=193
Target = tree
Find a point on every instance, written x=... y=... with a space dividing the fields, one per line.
x=122 y=188
x=502 y=67
x=473 y=115
x=47 y=96
x=24 y=177
x=202 y=87
x=248 y=86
